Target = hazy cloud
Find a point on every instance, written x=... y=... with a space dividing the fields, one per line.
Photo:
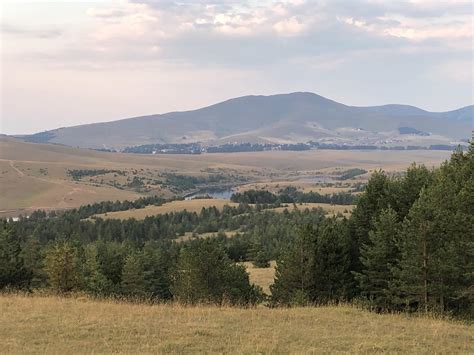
x=51 y=32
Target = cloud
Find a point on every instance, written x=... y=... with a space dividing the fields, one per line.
x=178 y=54
x=255 y=34
x=289 y=26
x=25 y=31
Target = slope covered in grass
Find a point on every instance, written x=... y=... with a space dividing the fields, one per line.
x=65 y=325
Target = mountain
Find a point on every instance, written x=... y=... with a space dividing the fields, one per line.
x=285 y=118
x=465 y=114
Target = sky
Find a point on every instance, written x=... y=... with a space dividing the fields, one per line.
x=66 y=63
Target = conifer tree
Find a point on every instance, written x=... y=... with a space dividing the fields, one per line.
x=261 y=259
x=62 y=267
x=379 y=256
x=157 y=262
x=33 y=261
x=294 y=277
x=95 y=281
x=333 y=280
x=437 y=245
x=374 y=199
x=133 y=277
x=13 y=272
x=204 y=273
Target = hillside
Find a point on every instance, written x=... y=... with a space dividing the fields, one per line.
x=286 y=118
x=71 y=325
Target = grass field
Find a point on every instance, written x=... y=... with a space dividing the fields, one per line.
x=174 y=206
x=329 y=208
x=77 y=325
x=34 y=176
x=262 y=277
x=276 y=186
x=198 y=204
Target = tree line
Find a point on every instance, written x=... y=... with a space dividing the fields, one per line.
x=408 y=245
x=141 y=258
x=291 y=194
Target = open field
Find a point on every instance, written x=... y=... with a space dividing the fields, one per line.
x=276 y=186
x=174 y=206
x=330 y=209
x=71 y=325
x=262 y=277
x=36 y=176
x=198 y=204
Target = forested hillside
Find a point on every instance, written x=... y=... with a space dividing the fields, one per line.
x=408 y=245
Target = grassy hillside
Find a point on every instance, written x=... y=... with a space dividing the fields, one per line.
x=65 y=325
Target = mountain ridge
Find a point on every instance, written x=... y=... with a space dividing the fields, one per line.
x=291 y=118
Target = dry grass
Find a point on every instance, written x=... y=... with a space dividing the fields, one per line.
x=174 y=206
x=198 y=204
x=276 y=186
x=74 y=325
x=329 y=208
x=262 y=277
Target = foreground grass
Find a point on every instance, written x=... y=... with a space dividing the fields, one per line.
x=63 y=325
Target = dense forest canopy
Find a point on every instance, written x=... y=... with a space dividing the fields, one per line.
x=408 y=245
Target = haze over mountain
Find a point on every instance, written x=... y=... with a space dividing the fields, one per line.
x=285 y=118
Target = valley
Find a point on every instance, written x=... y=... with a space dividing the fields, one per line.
x=236 y=177
x=56 y=177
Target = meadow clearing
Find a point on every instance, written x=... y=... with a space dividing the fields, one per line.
x=330 y=209
x=262 y=277
x=197 y=204
x=50 y=324
x=169 y=207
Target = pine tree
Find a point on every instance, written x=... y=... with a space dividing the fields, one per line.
x=62 y=267
x=294 y=278
x=261 y=260
x=33 y=261
x=204 y=273
x=437 y=247
x=379 y=256
x=13 y=272
x=333 y=280
x=376 y=197
x=157 y=262
x=95 y=281
x=407 y=190
x=133 y=277
x=111 y=257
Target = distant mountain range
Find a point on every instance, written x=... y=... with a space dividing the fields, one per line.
x=286 y=118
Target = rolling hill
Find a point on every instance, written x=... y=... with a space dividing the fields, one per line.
x=38 y=176
x=285 y=118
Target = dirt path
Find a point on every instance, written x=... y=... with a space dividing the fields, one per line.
x=20 y=173
x=62 y=203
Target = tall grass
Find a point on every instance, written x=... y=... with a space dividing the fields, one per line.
x=80 y=324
